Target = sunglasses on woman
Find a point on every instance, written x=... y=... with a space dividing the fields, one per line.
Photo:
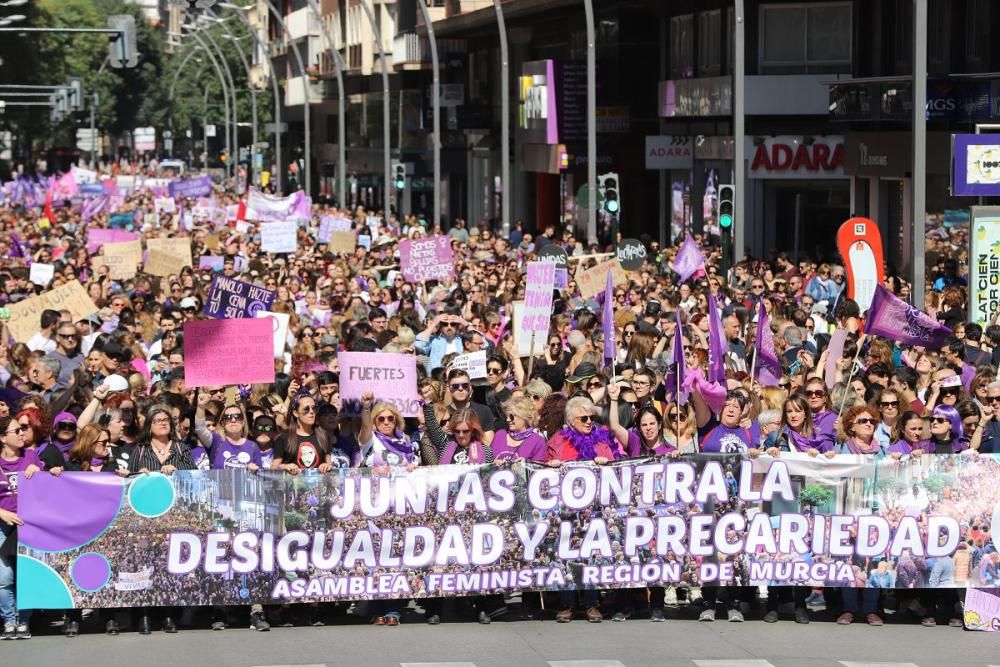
x=232 y=417
x=385 y=419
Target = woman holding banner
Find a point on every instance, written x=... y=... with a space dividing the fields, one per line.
x=302 y=446
x=159 y=450
x=798 y=434
x=519 y=441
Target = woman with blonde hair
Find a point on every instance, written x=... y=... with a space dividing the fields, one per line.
x=519 y=440
x=684 y=439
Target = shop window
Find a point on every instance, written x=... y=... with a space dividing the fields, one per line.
x=682 y=47
x=802 y=38
x=939 y=36
x=709 y=43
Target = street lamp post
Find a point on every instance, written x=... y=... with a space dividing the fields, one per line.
x=436 y=107
x=235 y=155
x=919 y=148
x=276 y=93
x=305 y=93
x=253 y=96
x=588 y=6
x=339 y=68
x=386 y=141
x=504 y=118
x=225 y=95
x=739 y=163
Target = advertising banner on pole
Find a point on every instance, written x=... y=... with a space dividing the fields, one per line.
x=984 y=264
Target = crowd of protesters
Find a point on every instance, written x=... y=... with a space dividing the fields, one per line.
x=106 y=392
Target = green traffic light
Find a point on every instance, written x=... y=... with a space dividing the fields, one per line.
x=400 y=185
x=611 y=206
x=725 y=220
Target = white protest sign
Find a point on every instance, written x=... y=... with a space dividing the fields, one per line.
x=165 y=205
x=41 y=274
x=538 y=299
x=278 y=236
x=280 y=329
x=473 y=363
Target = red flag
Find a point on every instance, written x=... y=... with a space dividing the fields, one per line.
x=241 y=211
x=49 y=213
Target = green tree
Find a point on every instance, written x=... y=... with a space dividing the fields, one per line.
x=890 y=488
x=815 y=495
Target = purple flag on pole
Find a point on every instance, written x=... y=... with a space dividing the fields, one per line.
x=689 y=259
x=893 y=318
x=608 y=319
x=675 y=379
x=768 y=368
x=16 y=248
x=716 y=344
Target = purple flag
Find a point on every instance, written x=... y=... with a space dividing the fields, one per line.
x=689 y=259
x=303 y=205
x=16 y=248
x=608 y=319
x=94 y=206
x=716 y=344
x=678 y=364
x=893 y=318
x=767 y=367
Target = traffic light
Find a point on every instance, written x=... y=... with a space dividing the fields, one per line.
x=399 y=176
x=727 y=206
x=75 y=88
x=608 y=184
x=121 y=46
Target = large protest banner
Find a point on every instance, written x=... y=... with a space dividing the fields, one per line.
x=233 y=537
x=232 y=299
x=228 y=352
x=390 y=377
x=26 y=315
x=200 y=186
x=421 y=260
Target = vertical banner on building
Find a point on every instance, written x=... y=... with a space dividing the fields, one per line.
x=984 y=264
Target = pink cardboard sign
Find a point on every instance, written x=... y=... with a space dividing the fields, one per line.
x=390 y=377
x=222 y=352
x=100 y=237
x=426 y=259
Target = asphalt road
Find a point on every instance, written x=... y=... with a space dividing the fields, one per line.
x=679 y=642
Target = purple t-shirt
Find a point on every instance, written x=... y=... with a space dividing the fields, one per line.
x=633 y=448
x=453 y=454
x=202 y=461
x=532 y=448
x=226 y=455
x=716 y=438
x=9 y=480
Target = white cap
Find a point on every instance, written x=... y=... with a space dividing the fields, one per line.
x=116 y=383
x=189 y=302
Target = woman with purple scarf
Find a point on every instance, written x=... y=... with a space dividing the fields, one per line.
x=384 y=445
x=858 y=431
x=520 y=441
x=799 y=433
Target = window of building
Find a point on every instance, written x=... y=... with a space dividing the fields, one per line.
x=682 y=47
x=801 y=38
x=939 y=36
x=710 y=43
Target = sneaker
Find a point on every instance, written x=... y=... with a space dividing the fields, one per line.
x=618 y=617
x=71 y=629
x=816 y=602
x=594 y=615
x=955 y=623
x=801 y=616
x=484 y=618
x=23 y=631
x=847 y=618
x=218 y=625
x=670 y=597
x=9 y=629
x=656 y=616
x=771 y=616
x=434 y=619
x=259 y=623
x=874 y=619
x=564 y=616
x=734 y=616
x=928 y=622
x=706 y=615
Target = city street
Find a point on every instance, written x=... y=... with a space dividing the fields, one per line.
x=635 y=643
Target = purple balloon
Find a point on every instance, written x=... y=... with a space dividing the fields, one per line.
x=69 y=511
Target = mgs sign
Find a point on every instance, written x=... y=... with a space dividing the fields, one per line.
x=793 y=157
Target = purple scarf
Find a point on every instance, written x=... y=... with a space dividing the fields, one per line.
x=854 y=446
x=586 y=445
x=400 y=444
x=799 y=442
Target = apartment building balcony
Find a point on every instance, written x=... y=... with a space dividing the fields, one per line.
x=411 y=51
x=302 y=23
x=295 y=91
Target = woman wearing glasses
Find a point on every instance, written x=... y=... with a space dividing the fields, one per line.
x=798 y=433
x=888 y=403
x=823 y=416
x=382 y=438
x=581 y=439
x=228 y=445
x=519 y=441
x=857 y=434
x=645 y=440
x=302 y=446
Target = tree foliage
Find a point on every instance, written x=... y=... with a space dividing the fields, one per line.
x=814 y=495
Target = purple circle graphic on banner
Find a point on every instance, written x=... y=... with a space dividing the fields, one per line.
x=90 y=572
x=254 y=307
x=94 y=502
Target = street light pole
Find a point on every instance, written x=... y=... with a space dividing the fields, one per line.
x=225 y=95
x=235 y=155
x=386 y=134
x=276 y=93
x=588 y=6
x=504 y=119
x=339 y=68
x=305 y=93
x=739 y=166
x=253 y=98
x=919 y=147
x=436 y=108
